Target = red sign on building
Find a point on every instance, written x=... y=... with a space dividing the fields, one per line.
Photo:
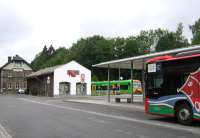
x=72 y=73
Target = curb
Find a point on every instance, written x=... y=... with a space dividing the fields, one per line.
x=140 y=107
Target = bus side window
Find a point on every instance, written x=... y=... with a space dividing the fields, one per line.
x=124 y=87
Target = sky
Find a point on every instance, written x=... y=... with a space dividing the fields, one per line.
x=27 y=25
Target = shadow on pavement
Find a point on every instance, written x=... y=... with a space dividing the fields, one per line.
x=173 y=120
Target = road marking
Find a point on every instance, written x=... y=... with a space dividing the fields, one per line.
x=135 y=120
x=4 y=133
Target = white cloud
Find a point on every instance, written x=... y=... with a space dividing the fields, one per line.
x=30 y=24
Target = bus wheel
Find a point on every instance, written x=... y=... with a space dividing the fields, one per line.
x=184 y=114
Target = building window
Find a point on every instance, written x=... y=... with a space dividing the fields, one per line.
x=18 y=64
x=4 y=85
x=10 y=74
x=9 y=86
x=17 y=85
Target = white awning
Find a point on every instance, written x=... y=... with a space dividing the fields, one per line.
x=139 y=61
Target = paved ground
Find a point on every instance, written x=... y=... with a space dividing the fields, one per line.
x=103 y=100
x=41 y=117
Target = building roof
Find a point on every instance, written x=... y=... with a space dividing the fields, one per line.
x=16 y=58
x=49 y=70
x=44 y=71
x=139 y=61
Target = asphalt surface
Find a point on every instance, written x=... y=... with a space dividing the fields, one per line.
x=39 y=117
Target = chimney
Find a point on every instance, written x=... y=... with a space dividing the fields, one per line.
x=9 y=59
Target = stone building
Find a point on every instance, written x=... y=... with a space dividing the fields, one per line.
x=13 y=75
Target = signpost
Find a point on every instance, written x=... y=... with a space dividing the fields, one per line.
x=48 y=83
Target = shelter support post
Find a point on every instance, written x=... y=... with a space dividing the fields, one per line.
x=108 y=83
x=143 y=79
x=131 y=82
x=119 y=80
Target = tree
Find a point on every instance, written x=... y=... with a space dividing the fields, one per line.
x=172 y=40
x=195 y=28
x=45 y=58
x=166 y=42
x=182 y=41
x=147 y=38
x=118 y=47
x=131 y=47
x=45 y=49
x=51 y=50
x=92 y=50
x=40 y=59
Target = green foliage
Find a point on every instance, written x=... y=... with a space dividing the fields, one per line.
x=195 y=28
x=49 y=57
x=94 y=77
x=172 y=40
x=96 y=49
x=147 y=38
x=124 y=47
x=91 y=50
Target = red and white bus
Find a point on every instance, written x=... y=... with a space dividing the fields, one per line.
x=173 y=87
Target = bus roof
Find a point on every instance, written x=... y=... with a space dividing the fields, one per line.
x=115 y=81
x=171 y=58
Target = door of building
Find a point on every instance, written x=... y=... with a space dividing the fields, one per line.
x=81 y=88
x=64 y=88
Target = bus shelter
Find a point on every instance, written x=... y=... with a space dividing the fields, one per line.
x=138 y=63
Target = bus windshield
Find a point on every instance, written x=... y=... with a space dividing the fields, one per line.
x=163 y=84
x=136 y=85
